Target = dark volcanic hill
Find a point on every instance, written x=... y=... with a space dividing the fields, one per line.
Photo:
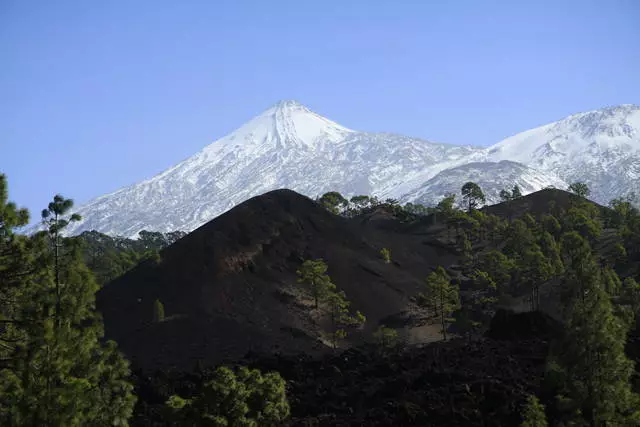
x=230 y=286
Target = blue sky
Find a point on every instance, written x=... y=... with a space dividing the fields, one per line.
x=96 y=95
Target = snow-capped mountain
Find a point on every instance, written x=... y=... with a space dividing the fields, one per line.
x=289 y=146
x=492 y=177
x=600 y=148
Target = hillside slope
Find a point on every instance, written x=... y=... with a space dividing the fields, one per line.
x=230 y=286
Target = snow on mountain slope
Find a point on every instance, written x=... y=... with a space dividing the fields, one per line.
x=490 y=176
x=287 y=146
x=601 y=148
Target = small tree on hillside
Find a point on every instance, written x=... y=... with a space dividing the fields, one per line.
x=515 y=192
x=472 y=195
x=386 y=339
x=506 y=195
x=341 y=318
x=314 y=274
x=158 y=311
x=386 y=255
x=580 y=189
x=441 y=296
x=333 y=201
x=360 y=203
x=533 y=414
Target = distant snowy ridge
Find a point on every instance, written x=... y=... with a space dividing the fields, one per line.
x=290 y=146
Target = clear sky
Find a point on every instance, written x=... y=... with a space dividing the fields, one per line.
x=96 y=95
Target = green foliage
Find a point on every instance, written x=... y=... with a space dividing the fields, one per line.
x=314 y=274
x=518 y=239
x=110 y=257
x=479 y=304
x=386 y=255
x=499 y=267
x=591 y=364
x=446 y=205
x=551 y=225
x=386 y=339
x=59 y=373
x=506 y=195
x=333 y=201
x=583 y=220
x=341 y=318
x=441 y=296
x=472 y=195
x=630 y=295
x=580 y=189
x=158 y=311
x=417 y=209
x=533 y=414
x=535 y=270
x=16 y=264
x=359 y=204
x=515 y=192
x=245 y=398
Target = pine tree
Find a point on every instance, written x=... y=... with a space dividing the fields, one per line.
x=386 y=255
x=472 y=194
x=580 y=189
x=441 y=296
x=245 y=398
x=341 y=318
x=54 y=218
x=515 y=192
x=386 y=339
x=314 y=274
x=505 y=196
x=333 y=201
x=533 y=414
x=591 y=359
x=15 y=267
x=61 y=374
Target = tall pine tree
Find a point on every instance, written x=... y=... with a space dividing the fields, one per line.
x=591 y=361
x=60 y=372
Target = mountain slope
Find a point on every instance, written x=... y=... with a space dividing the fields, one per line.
x=287 y=146
x=492 y=177
x=230 y=286
x=290 y=146
x=601 y=148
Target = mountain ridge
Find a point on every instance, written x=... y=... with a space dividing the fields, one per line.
x=290 y=146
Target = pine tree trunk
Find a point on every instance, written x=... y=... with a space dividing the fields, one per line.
x=444 y=331
x=57 y=270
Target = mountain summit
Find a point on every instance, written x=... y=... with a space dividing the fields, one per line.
x=290 y=146
x=286 y=146
x=287 y=124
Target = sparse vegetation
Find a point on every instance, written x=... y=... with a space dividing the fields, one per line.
x=533 y=414
x=386 y=339
x=386 y=255
x=441 y=296
x=158 y=311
